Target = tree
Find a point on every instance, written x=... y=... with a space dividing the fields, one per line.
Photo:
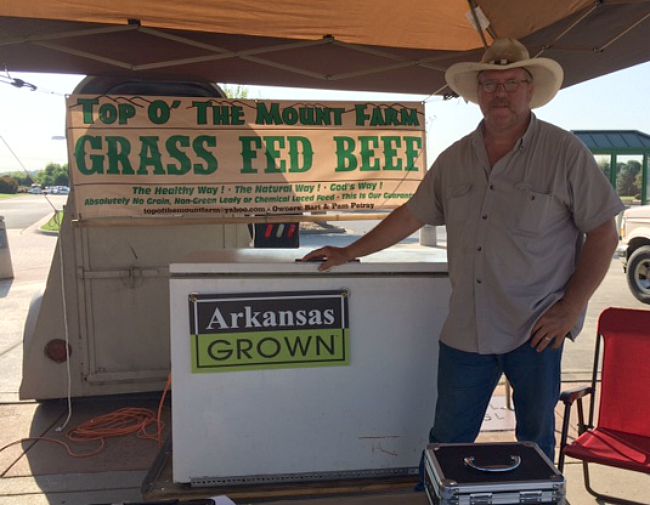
x=22 y=178
x=235 y=91
x=626 y=180
x=604 y=166
x=8 y=184
x=54 y=174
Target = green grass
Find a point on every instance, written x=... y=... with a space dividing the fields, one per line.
x=630 y=200
x=54 y=224
x=5 y=196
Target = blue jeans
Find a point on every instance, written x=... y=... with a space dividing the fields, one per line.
x=467 y=380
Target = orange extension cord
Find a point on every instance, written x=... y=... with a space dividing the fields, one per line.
x=115 y=424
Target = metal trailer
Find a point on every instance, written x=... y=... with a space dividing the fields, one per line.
x=112 y=282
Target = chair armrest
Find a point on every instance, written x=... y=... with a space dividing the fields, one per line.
x=569 y=396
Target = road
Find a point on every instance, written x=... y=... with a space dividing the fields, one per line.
x=24 y=210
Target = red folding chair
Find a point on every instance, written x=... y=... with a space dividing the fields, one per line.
x=621 y=437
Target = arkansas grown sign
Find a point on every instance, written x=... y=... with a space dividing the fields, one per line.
x=155 y=156
x=252 y=331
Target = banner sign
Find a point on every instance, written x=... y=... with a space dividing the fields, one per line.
x=253 y=331
x=159 y=156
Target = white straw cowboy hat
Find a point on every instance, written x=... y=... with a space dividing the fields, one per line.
x=505 y=54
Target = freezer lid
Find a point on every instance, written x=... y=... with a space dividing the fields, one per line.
x=395 y=260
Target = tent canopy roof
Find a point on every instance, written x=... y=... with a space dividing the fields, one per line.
x=379 y=45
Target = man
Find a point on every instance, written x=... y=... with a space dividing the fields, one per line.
x=530 y=236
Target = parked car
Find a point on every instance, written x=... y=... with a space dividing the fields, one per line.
x=58 y=190
x=634 y=250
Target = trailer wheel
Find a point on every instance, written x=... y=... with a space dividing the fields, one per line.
x=638 y=274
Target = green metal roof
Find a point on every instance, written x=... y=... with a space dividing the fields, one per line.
x=615 y=141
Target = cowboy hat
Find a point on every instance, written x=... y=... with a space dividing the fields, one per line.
x=505 y=54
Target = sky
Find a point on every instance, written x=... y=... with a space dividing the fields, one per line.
x=32 y=123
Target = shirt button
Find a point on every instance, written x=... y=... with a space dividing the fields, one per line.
x=478 y=281
x=492 y=187
x=479 y=248
x=484 y=216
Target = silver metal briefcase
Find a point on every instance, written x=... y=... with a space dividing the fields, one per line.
x=491 y=474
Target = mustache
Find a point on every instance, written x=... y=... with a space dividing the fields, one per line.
x=500 y=102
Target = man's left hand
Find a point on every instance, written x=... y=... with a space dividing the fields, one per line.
x=553 y=327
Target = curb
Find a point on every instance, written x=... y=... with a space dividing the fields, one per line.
x=36 y=227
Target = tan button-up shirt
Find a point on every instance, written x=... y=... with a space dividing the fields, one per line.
x=514 y=231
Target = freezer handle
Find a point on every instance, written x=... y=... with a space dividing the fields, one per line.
x=471 y=462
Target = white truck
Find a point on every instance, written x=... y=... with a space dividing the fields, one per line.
x=634 y=250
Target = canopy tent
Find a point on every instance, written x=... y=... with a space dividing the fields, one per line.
x=374 y=45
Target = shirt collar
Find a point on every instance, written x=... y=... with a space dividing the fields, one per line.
x=522 y=143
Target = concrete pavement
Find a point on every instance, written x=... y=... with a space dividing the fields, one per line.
x=38 y=473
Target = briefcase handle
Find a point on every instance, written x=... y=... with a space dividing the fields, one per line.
x=471 y=462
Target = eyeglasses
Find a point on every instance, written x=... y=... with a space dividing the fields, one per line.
x=509 y=86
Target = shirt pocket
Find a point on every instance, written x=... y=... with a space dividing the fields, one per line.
x=536 y=213
x=458 y=205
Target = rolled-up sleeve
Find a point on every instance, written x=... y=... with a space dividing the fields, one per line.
x=426 y=203
x=594 y=201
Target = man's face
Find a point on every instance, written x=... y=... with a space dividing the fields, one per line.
x=502 y=109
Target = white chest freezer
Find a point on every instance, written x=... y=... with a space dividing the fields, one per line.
x=282 y=373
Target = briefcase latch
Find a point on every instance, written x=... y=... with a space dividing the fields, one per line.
x=480 y=499
x=530 y=496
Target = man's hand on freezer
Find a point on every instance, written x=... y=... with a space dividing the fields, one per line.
x=329 y=256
